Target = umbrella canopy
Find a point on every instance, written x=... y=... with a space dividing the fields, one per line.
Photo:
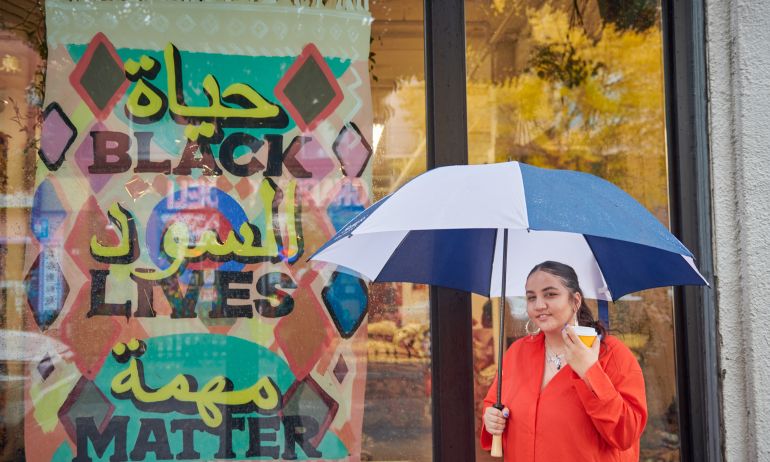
x=446 y=228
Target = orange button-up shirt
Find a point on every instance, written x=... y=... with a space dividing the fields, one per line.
x=599 y=419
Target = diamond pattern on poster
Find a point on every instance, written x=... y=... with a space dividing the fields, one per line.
x=85 y=400
x=305 y=334
x=224 y=184
x=49 y=393
x=56 y=137
x=90 y=221
x=185 y=23
x=89 y=338
x=45 y=367
x=46 y=287
x=341 y=369
x=347 y=299
x=210 y=25
x=308 y=398
x=259 y=29
x=47 y=213
x=245 y=188
x=309 y=91
x=306 y=155
x=352 y=150
x=98 y=77
x=84 y=158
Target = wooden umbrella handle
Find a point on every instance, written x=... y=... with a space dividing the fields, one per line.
x=497 y=446
x=497 y=440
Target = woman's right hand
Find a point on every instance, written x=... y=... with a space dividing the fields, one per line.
x=494 y=420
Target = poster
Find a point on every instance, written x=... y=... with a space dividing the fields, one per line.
x=192 y=156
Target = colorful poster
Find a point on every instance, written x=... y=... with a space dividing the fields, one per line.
x=192 y=155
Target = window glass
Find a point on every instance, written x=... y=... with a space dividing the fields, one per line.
x=397 y=417
x=166 y=169
x=578 y=85
x=20 y=96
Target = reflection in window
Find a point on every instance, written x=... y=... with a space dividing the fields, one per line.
x=396 y=402
x=578 y=85
x=20 y=100
x=397 y=415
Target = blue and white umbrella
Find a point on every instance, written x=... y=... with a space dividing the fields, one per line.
x=447 y=227
x=482 y=228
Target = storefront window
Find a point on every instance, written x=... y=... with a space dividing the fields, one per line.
x=578 y=85
x=166 y=168
x=20 y=83
x=397 y=416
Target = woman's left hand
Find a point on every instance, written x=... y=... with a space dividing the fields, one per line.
x=578 y=356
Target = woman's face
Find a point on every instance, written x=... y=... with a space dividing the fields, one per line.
x=550 y=305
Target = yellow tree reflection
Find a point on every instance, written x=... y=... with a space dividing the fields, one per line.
x=588 y=103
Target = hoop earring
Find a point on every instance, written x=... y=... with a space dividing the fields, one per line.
x=526 y=328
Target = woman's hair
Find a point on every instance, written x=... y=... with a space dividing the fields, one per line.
x=570 y=280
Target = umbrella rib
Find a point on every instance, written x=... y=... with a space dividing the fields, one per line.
x=492 y=261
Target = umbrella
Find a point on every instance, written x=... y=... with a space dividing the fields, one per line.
x=481 y=228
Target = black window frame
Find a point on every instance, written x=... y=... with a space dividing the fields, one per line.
x=695 y=310
x=683 y=24
x=450 y=310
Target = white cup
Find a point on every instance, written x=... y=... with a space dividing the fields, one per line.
x=586 y=334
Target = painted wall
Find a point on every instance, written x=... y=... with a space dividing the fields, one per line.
x=738 y=33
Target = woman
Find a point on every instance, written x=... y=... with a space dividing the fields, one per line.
x=564 y=400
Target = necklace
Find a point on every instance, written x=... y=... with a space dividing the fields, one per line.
x=554 y=359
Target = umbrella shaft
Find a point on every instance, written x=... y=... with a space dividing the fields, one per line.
x=500 y=342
